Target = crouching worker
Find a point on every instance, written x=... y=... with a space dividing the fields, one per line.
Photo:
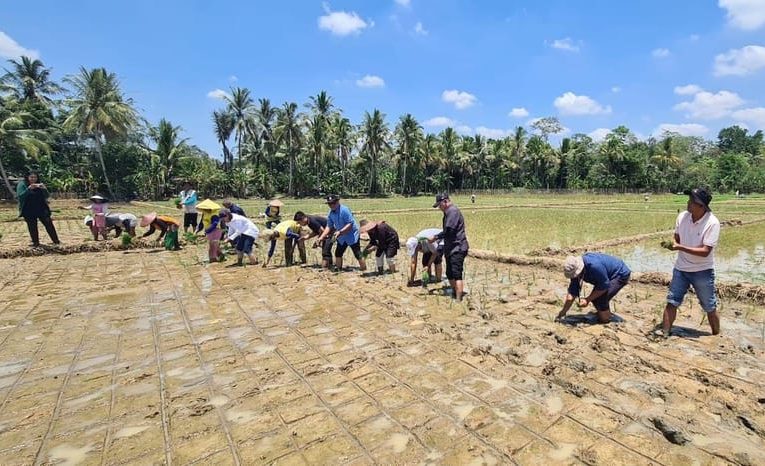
x=116 y=222
x=168 y=227
x=432 y=256
x=241 y=232
x=317 y=224
x=213 y=233
x=289 y=231
x=607 y=274
x=383 y=239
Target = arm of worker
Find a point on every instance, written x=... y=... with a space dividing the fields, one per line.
x=708 y=243
x=150 y=231
x=412 y=268
x=163 y=227
x=597 y=274
x=566 y=306
x=584 y=302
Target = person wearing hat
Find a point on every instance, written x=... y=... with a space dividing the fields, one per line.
x=290 y=232
x=317 y=224
x=243 y=233
x=168 y=227
x=33 y=206
x=342 y=226
x=432 y=254
x=697 y=231
x=128 y=222
x=208 y=209
x=383 y=239
x=273 y=213
x=455 y=243
x=99 y=209
x=188 y=201
x=235 y=209
x=607 y=274
x=113 y=222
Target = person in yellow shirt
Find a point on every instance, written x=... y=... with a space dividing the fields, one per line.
x=290 y=232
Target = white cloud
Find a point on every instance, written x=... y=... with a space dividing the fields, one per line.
x=464 y=130
x=688 y=89
x=616 y=89
x=744 y=14
x=460 y=99
x=217 y=94
x=9 y=48
x=572 y=104
x=660 y=53
x=599 y=134
x=740 y=62
x=493 y=133
x=685 y=129
x=233 y=78
x=708 y=106
x=370 y=81
x=404 y=2
x=518 y=112
x=755 y=115
x=565 y=44
x=341 y=23
x=420 y=29
x=440 y=122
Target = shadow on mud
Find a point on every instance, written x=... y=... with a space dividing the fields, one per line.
x=685 y=332
x=587 y=319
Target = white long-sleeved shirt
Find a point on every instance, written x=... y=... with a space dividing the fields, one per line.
x=240 y=225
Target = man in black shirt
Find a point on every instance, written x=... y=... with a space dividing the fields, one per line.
x=455 y=242
x=317 y=224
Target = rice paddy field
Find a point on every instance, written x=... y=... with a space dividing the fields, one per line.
x=145 y=356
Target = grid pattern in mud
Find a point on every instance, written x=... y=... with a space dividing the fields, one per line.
x=147 y=357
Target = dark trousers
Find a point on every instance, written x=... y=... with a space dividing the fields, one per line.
x=34 y=233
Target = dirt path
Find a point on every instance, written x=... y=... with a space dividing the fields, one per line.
x=148 y=357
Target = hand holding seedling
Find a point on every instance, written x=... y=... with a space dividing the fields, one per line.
x=666 y=244
x=583 y=302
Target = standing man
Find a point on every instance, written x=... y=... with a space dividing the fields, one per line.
x=455 y=243
x=696 y=233
x=317 y=224
x=243 y=233
x=432 y=254
x=343 y=226
x=607 y=274
x=188 y=203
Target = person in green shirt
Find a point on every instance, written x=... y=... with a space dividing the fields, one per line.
x=33 y=206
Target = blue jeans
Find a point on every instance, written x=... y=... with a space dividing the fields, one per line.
x=244 y=244
x=703 y=284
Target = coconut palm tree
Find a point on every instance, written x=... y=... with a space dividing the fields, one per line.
x=169 y=149
x=343 y=140
x=223 y=123
x=288 y=135
x=29 y=80
x=99 y=110
x=374 y=130
x=15 y=136
x=409 y=135
x=242 y=108
x=266 y=114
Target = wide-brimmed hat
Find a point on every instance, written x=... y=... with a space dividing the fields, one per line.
x=207 y=204
x=332 y=198
x=440 y=198
x=88 y=219
x=573 y=267
x=267 y=234
x=97 y=197
x=147 y=219
x=367 y=225
x=700 y=196
x=276 y=203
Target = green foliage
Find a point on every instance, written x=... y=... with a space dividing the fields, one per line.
x=126 y=239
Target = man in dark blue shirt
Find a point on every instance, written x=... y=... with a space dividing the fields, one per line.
x=455 y=242
x=606 y=273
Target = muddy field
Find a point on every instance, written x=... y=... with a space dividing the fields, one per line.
x=151 y=357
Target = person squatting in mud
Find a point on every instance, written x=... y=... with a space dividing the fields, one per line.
x=432 y=256
x=607 y=274
x=697 y=231
x=383 y=239
x=343 y=228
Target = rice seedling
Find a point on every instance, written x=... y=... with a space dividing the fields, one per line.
x=126 y=240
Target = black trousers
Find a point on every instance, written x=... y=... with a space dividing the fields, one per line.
x=35 y=234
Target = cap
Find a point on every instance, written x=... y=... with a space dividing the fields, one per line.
x=700 y=196
x=573 y=266
x=440 y=198
x=332 y=198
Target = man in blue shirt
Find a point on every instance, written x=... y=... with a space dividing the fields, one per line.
x=606 y=273
x=343 y=226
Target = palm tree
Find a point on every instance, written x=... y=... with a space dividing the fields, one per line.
x=409 y=136
x=14 y=136
x=266 y=114
x=344 y=139
x=168 y=151
x=321 y=104
x=223 y=122
x=99 y=110
x=242 y=107
x=450 y=147
x=316 y=142
x=29 y=80
x=374 y=131
x=287 y=133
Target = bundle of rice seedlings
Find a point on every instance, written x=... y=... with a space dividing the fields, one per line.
x=126 y=240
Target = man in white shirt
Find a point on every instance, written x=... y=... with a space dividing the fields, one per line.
x=432 y=254
x=243 y=233
x=696 y=233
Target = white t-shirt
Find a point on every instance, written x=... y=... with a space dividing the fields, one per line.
x=241 y=226
x=411 y=243
x=705 y=232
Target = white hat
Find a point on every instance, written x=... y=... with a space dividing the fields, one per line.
x=573 y=266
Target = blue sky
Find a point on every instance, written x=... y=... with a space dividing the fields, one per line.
x=693 y=66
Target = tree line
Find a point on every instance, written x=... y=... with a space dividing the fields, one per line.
x=85 y=135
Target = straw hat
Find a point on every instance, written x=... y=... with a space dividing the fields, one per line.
x=96 y=197
x=147 y=219
x=276 y=203
x=573 y=266
x=367 y=225
x=207 y=204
